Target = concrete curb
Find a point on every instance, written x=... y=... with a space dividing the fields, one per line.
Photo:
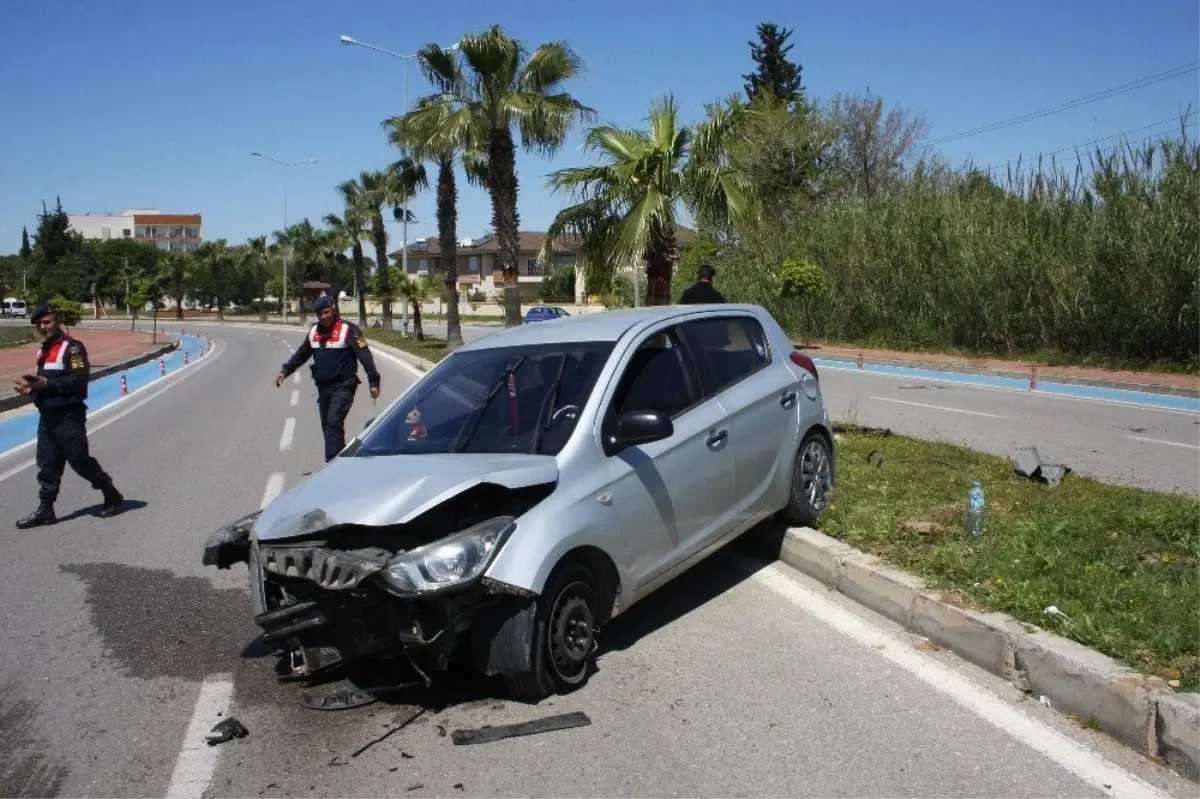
x=1046 y=377
x=413 y=360
x=10 y=401
x=1139 y=711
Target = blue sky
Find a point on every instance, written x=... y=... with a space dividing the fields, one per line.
x=134 y=103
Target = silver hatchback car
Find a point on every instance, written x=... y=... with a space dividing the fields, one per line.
x=534 y=485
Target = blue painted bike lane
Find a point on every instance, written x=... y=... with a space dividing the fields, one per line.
x=21 y=427
x=1144 y=399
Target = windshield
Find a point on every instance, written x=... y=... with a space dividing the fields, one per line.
x=494 y=400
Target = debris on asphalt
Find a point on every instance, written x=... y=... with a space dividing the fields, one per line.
x=416 y=786
x=390 y=732
x=406 y=756
x=458 y=786
x=1028 y=463
x=226 y=730
x=489 y=734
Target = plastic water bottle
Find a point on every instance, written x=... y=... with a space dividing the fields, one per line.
x=975 y=509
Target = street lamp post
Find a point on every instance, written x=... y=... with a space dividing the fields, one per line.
x=347 y=40
x=285 y=218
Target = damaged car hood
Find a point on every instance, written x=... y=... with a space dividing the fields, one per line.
x=393 y=489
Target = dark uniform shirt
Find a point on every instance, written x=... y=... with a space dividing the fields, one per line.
x=700 y=293
x=336 y=354
x=63 y=361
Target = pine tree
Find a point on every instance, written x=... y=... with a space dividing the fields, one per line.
x=775 y=72
x=26 y=250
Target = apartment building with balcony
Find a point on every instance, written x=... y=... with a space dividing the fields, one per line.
x=170 y=232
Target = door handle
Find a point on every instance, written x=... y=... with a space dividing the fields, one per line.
x=716 y=437
x=788 y=399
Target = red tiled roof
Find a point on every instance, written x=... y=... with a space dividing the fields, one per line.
x=530 y=242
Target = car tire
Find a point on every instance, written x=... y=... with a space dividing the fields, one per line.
x=564 y=639
x=811 y=483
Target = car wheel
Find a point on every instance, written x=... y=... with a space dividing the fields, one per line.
x=812 y=482
x=564 y=639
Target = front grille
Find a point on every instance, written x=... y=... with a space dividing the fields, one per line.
x=331 y=569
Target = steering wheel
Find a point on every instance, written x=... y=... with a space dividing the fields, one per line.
x=562 y=410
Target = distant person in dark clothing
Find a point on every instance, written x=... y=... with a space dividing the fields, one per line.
x=702 y=292
x=59 y=389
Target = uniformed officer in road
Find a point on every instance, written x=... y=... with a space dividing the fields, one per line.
x=337 y=347
x=59 y=390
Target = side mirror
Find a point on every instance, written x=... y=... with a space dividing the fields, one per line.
x=641 y=427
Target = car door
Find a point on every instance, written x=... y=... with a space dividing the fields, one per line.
x=759 y=398
x=671 y=495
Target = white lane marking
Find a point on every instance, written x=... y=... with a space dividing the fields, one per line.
x=296 y=377
x=938 y=407
x=274 y=488
x=285 y=440
x=295 y=398
x=1089 y=766
x=197 y=760
x=1163 y=442
x=175 y=379
x=1024 y=392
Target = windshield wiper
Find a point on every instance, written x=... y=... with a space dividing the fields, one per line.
x=478 y=411
x=548 y=404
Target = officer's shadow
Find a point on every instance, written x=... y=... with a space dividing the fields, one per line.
x=94 y=510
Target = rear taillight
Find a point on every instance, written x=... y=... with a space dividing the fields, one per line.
x=806 y=363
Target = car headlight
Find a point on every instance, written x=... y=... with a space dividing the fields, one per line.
x=448 y=562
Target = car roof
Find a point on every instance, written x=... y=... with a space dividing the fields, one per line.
x=601 y=326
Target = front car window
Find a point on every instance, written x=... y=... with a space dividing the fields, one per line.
x=494 y=400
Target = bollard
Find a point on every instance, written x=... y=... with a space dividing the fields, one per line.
x=210 y=344
x=860 y=360
x=185 y=358
x=124 y=386
x=1033 y=379
x=162 y=366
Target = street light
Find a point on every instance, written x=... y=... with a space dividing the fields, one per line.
x=285 y=259
x=349 y=40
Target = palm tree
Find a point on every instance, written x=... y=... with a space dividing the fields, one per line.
x=373 y=192
x=414 y=290
x=213 y=258
x=416 y=134
x=352 y=224
x=347 y=231
x=502 y=86
x=627 y=207
x=256 y=263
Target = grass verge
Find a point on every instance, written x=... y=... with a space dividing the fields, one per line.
x=1120 y=562
x=431 y=349
x=12 y=336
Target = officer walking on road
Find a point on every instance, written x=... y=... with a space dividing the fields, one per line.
x=337 y=347
x=59 y=390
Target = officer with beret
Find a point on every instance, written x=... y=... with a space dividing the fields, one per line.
x=59 y=390
x=336 y=347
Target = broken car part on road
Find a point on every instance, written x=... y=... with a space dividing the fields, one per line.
x=530 y=487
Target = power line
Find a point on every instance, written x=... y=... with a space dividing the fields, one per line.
x=1074 y=158
x=1089 y=143
x=1150 y=80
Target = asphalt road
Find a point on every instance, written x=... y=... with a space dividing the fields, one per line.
x=743 y=678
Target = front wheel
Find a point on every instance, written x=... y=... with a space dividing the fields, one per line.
x=812 y=482
x=564 y=638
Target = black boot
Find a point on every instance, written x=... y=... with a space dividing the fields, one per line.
x=112 y=501
x=43 y=515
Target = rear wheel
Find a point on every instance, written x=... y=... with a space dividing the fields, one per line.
x=812 y=482
x=564 y=638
